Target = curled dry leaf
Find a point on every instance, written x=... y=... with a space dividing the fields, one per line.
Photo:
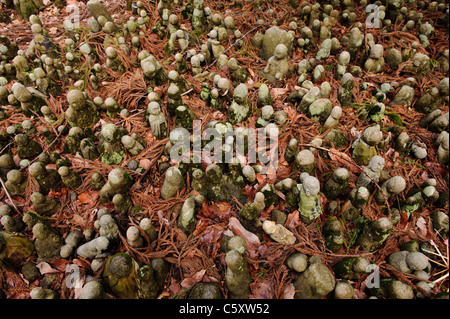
x=190 y=281
x=250 y=238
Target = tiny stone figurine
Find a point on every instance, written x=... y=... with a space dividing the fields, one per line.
x=374 y=234
x=337 y=183
x=11 y=224
x=173 y=99
x=264 y=98
x=305 y=161
x=88 y=149
x=122 y=203
x=93 y=290
x=47 y=242
x=134 y=237
x=97 y=181
x=157 y=120
x=277 y=66
x=375 y=62
x=26 y=148
x=278 y=233
x=70 y=243
x=237 y=277
x=309 y=204
x=371 y=173
x=111 y=148
x=357 y=199
x=393 y=186
x=186 y=219
x=240 y=107
x=345 y=91
x=351 y=268
x=365 y=147
x=134 y=144
x=334 y=234
x=81 y=112
x=333 y=120
x=315 y=282
x=44 y=205
x=47 y=178
x=119 y=182
x=93 y=248
x=173 y=182
x=15 y=183
x=249 y=218
x=73 y=139
x=69 y=177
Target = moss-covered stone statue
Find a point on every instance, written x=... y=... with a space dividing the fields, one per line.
x=82 y=111
x=365 y=147
x=315 y=282
x=337 y=183
x=26 y=148
x=237 y=277
x=173 y=182
x=374 y=234
x=309 y=205
x=186 y=219
x=47 y=179
x=47 y=242
x=111 y=148
x=119 y=182
x=44 y=205
x=127 y=280
x=240 y=108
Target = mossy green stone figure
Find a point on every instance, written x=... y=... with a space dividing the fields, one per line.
x=47 y=179
x=119 y=182
x=237 y=277
x=240 y=108
x=27 y=148
x=120 y=276
x=309 y=204
x=111 y=148
x=81 y=112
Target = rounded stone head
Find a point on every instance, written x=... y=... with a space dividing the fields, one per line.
x=14 y=176
x=21 y=139
x=311 y=185
x=120 y=265
x=154 y=108
x=37 y=198
x=76 y=99
x=173 y=91
x=108 y=130
x=117 y=176
x=376 y=163
x=63 y=171
x=128 y=141
x=37 y=169
x=395 y=184
x=281 y=51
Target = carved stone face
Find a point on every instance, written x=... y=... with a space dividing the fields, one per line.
x=281 y=51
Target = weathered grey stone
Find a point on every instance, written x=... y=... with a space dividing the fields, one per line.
x=272 y=37
x=315 y=282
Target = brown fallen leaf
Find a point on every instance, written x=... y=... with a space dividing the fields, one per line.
x=250 y=238
x=190 y=281
x=45 y=268
x=343 y=159
x=422 y=225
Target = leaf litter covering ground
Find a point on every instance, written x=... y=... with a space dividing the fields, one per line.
x=199 y=258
